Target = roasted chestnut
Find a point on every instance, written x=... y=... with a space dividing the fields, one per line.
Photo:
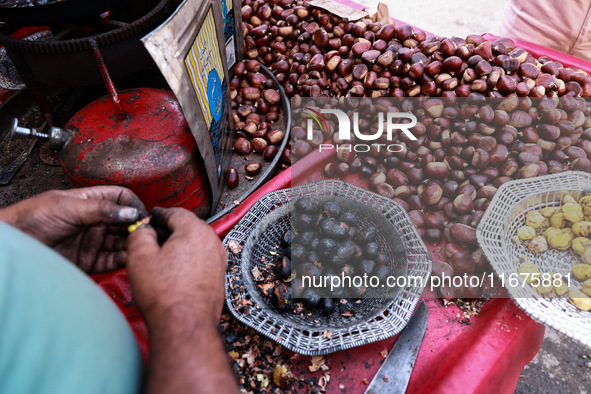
x=298 y=252
x=350 y=218
x=328 y=306
x=307 y=205
x=368 y=235
x=367 y=266
x=326 y=247
x=332 y=209
x=283 y=268
x=333 y=229
x=312 y=299
x=286 y=239
x=281 y=296
x=371 y=250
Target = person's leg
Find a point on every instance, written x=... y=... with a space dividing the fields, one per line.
x=59 y=332
x=582 y=46
x=550 y=23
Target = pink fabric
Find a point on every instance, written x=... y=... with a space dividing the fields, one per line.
x=564 y=26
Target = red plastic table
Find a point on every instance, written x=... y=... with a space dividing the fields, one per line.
x=482 y=354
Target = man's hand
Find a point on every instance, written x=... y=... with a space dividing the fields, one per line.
x=87 y=226
x=179 y=288
x=188 y=269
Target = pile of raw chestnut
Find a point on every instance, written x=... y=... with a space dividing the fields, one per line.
x=256 y=112
x=466 y=147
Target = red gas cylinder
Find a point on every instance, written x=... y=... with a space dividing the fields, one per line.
x=146 y=146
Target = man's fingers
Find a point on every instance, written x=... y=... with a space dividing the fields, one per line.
x=93 y=211
x=114 y=243
x=141 y=242
x=174 y=219
x=117 y=194
x=110 y=261
x=91 y=243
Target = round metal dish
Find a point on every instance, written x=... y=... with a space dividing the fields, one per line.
x=268 y=172
x=499 y=224
x=375 y=318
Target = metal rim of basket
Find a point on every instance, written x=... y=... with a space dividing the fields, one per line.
x=506 y=211
x=311 y=342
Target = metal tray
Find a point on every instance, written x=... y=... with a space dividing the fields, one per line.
x=234 y=200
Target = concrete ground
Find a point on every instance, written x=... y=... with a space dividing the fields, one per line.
x=562 y=365
x=446 y=17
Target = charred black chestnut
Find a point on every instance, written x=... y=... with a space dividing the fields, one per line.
x=382 y=259
x=286 y=239
x=326 y=246
x=342 y=253
x=368 y=266
x=306 y=238
x=307 y=205
x=281 y=296
x=298 y=252
x=306 y=220
x=371 y=250
x=368 y=235
x=296 y=288
x=314 y=257
x=332 y=209
x=311 y=269
x=312 y=300
x=358 y=250
x=333 y=229
x=328 y=306
x=350 y=218
x=314 y=244
x=283 y=268
x=382 y=272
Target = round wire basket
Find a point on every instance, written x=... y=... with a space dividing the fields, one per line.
x=499 y=224
x=374 y=319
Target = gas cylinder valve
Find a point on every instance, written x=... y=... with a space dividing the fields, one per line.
x=57 y=137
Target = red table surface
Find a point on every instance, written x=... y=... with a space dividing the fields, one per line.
x=483 y=354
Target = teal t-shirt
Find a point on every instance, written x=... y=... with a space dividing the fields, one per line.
x=59 y=332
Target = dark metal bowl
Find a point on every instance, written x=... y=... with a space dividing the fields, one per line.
x=272 y=168
x=23 y=13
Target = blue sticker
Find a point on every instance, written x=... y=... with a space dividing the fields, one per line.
x=214 y=95
x=224 y=11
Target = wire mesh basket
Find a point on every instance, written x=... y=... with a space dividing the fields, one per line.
x=374 y=319
x=499 y=224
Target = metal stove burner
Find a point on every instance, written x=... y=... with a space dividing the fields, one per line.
x=48 y=12
x=66 y=58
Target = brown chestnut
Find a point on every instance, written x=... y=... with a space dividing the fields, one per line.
x=432 y=194
x=464 y=235
x=433 y=236
x=232 y=178
x=258 y=145
x=463 y=204
x=271 y=151
x=252 y=168
x=242 y=146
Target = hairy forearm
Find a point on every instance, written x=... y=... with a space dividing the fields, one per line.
x=8 y=215
x=187 y=355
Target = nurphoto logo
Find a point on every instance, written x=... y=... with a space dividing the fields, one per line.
x=347 y=127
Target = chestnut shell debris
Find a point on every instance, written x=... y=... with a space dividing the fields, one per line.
x=325 y=239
